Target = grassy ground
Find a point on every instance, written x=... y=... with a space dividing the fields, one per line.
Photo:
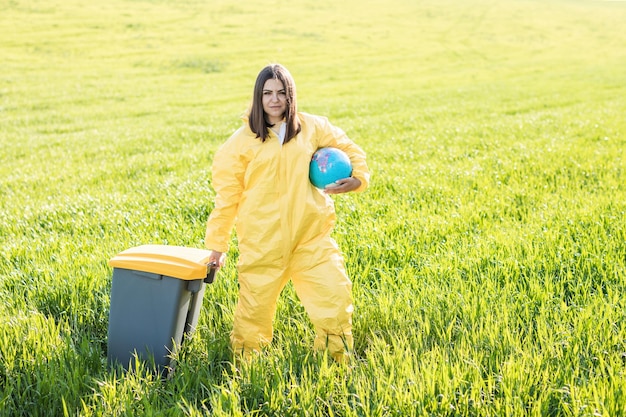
x=488 y=257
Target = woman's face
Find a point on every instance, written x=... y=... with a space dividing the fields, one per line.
x=274 y=100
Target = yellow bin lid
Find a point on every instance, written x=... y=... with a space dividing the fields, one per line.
x=172 y=261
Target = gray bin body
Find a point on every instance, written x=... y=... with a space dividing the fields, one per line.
x=150 y=315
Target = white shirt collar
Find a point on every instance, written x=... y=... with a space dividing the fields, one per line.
x=281 y=133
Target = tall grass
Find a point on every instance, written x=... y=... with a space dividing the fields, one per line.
x=488 y=256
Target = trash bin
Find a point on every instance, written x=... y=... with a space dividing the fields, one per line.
x=156 y=296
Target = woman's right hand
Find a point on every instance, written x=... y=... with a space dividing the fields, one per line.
x=217 y=258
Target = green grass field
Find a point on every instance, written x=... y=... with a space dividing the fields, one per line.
x=488 y=257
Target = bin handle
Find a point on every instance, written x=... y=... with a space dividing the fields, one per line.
x=210 y=273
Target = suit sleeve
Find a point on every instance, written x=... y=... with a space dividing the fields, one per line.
x=332 y=136
x=228 y=172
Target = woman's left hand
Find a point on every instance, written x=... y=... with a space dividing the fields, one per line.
x=343 y=186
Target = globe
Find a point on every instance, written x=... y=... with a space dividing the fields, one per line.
x=327 y=166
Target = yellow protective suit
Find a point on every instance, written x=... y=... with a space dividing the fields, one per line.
x=283 y=227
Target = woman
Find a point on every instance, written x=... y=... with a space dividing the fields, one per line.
x=283 y=223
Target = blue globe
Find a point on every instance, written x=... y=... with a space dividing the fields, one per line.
x=329 y=165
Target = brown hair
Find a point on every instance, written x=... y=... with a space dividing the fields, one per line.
x=257 y=121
